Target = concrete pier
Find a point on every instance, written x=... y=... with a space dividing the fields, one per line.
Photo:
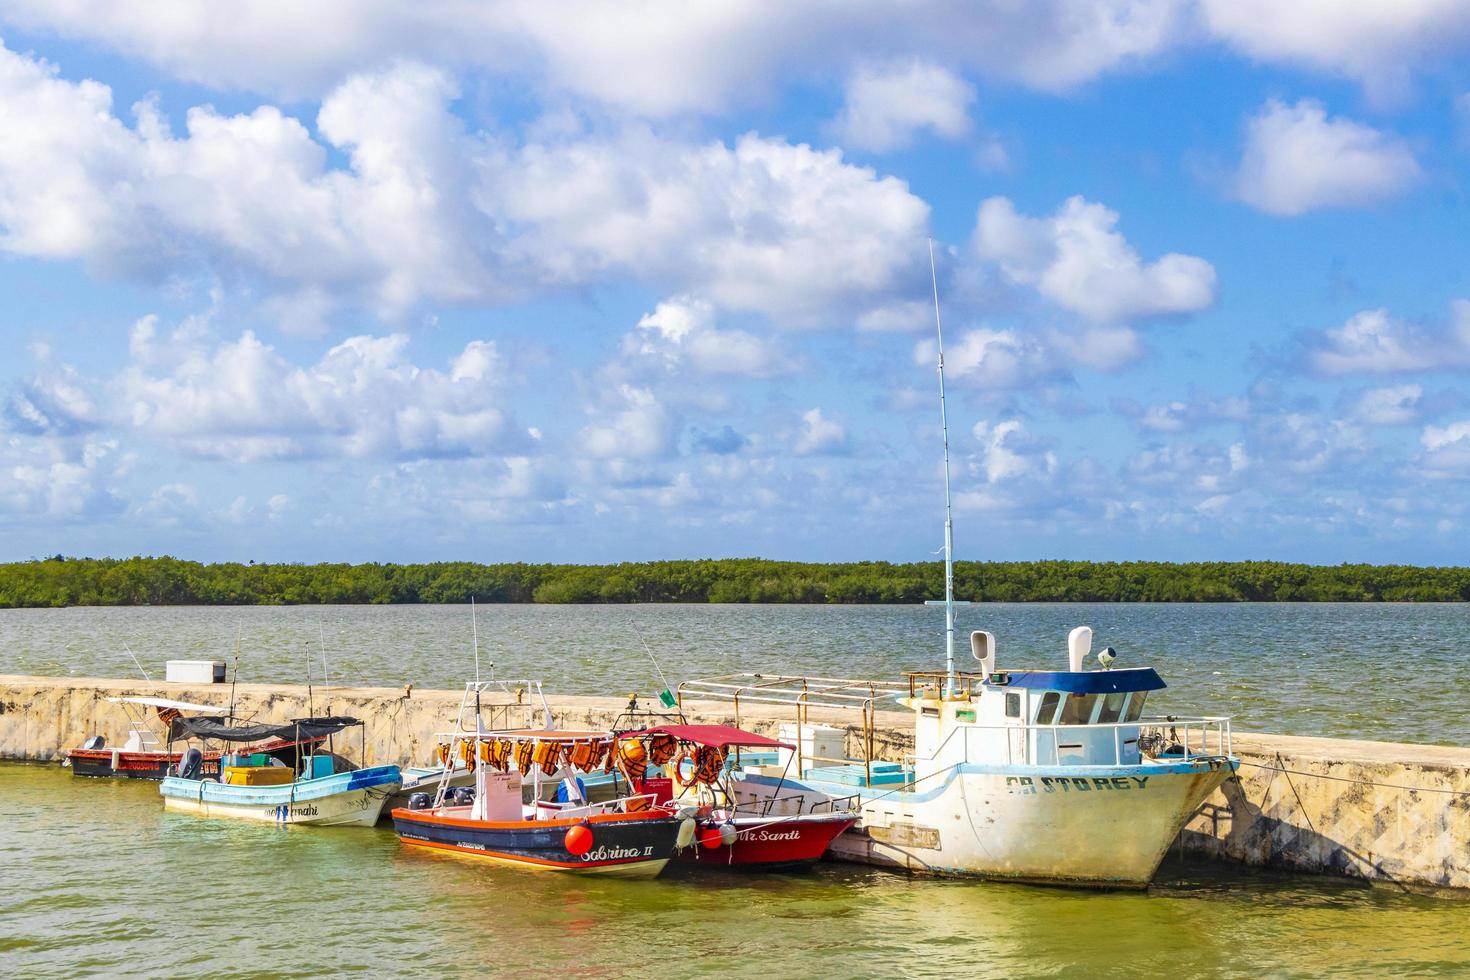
x=1389 y=813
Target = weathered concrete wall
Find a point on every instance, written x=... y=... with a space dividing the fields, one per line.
x=40 y=717
x=1388 y=813
x=1391 y=813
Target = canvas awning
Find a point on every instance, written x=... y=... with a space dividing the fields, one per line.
x=222 y=730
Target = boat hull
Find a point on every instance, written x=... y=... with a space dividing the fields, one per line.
x=345 y=799
x=156 y=765
x=635 y=845
x=1090 y=826
x=772 y=843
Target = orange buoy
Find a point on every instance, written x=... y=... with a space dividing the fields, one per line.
x=711 y=837
x=578 y=840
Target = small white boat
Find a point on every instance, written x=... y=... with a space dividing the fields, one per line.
x=257 y=787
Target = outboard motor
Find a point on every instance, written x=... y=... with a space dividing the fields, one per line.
x=418 y=801
x=463 y=796
x=95 y=742
x=191 y=764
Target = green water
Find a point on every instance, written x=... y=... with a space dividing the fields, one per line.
x=98 y=880
x=1388 y=672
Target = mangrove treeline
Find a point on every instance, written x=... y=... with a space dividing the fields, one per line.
x=63 y=581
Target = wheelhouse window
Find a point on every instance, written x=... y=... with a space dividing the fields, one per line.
x=1013 y=704
x=1112 y=709
x=1135 y=706
x=1078 y=708
x=1048 y=710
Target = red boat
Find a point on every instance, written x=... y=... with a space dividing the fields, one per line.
x=140 y=757
x=729 y=835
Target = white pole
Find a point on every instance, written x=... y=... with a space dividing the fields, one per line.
x=475 y=634
x=949 y=683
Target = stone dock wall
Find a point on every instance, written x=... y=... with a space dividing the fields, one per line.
x=1392 y=814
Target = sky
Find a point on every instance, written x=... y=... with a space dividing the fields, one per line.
x=619 y=281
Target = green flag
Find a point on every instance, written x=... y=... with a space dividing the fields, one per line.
x=667 y=698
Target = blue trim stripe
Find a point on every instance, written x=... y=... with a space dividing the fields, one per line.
x=1089 y=682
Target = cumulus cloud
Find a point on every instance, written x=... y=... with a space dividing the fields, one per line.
x=1183 y=414
x=1375 y=342
x=1394 y=405
x=243 y=401
x=681 y=332
x=425 y=211
x=1446 y=449
x=1296 y=160
x=819 y=435
x=654 y=57
x=59 y=480
x=1376 y=43
x=763 y=225
x=993 y=359
x=1078 y=260
x=885 y=107
x=631 y=423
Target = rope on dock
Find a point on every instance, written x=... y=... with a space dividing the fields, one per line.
x=1360 y=782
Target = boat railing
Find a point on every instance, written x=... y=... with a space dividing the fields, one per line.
x=795 y=804
x=801 y=694
x=472 y=706
x=1169 y=737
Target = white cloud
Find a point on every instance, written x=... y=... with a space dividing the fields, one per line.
x=58 y=479
x=1296 y=159
x=887 y=106
x=819 y=435
x=1375 y=342
x=243 y=401
x=1007 y=454
x=681 y=332
x=1374 y=41
x=425 y=211
x=1446 y=449
x=1395 y=405
x=631 y=424
x=1077 y=259
x=655 y=57
x=992 y=359
x=763 y=226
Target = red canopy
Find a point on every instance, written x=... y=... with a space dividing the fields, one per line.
x=722 y=736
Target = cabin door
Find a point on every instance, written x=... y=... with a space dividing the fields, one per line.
x=1017 y=711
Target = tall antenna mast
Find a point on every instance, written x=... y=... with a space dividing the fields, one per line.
x=475 y=637
x=949 y=677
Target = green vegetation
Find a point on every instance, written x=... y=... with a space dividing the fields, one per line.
x=62 y=581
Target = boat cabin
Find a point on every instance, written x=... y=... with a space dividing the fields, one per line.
x=1069 y=717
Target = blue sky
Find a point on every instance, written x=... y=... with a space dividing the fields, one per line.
x=623 y=281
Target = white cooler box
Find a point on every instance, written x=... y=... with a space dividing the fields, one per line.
x=194 y=671
x=821 y=745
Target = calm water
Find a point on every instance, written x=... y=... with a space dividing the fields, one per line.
x=99 y=880
x=1390 y=672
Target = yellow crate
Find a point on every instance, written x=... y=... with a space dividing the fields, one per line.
x=258 y=775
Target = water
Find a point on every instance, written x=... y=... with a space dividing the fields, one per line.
x=1391 y=672
x=99 y=880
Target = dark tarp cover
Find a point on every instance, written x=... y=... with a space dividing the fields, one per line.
x=220 y=728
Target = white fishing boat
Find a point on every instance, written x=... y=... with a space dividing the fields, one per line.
x=326 y=791
x=1031 y=775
